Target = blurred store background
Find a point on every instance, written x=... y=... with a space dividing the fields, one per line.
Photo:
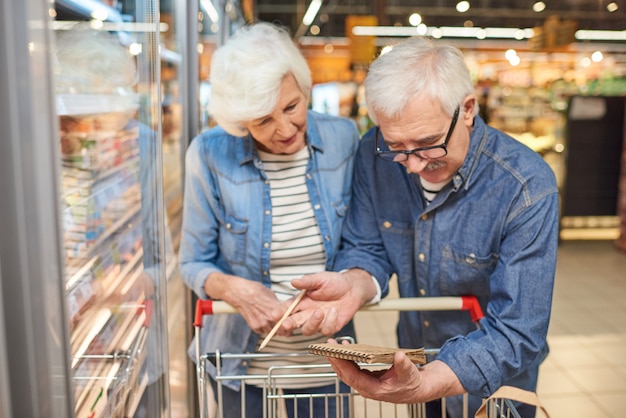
x=94 y=320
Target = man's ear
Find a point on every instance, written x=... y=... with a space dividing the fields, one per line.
x=467 y=107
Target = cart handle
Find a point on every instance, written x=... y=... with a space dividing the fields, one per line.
x=445 y=303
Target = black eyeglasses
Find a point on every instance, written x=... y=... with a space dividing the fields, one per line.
x=427 y=153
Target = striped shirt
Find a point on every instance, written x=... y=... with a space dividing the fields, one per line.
x=296 y=249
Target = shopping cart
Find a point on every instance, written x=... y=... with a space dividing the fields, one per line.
x=275 y=399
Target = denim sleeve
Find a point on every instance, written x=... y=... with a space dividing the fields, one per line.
x=512 y=336
x=197 y=249
x=361 y=244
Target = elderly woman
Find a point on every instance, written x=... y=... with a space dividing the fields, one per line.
x=265 y=196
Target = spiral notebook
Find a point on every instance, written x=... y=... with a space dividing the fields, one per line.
x=363 y=353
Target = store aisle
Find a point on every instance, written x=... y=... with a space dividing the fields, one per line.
x=585 y=374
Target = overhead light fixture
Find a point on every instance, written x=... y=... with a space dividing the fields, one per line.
x=444 y=32
x=210 y=10
x=462 y=6
x=311 y=12
x=415 y=19
x=597 y=56
x=99 y=13
x=539 y=7
x=600 y=35
x=478 y=33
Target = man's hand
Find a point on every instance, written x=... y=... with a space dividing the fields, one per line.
x=331 y=301
x=402 y=383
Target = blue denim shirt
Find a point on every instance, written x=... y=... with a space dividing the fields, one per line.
x=227 y=216
x=492 y=232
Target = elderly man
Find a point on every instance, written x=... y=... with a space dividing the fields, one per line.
x=452 y=207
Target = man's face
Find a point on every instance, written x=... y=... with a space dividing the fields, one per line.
x=424 y=124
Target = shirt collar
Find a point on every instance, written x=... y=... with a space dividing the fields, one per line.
x=478 y=140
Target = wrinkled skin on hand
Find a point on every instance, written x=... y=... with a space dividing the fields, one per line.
x=331 y=301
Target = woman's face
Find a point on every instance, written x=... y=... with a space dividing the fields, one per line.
x=283 y=130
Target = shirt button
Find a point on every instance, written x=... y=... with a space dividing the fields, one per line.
x=470 y=259
x=387 y=224
x=426 y=323
x=421 y=257
x=424 y=217
x=265 y=273
x=317 y=207
x=266 y=245
x=228 y=226
x=327 y=238
x=308 y=176
x=267 y=182
x=422 y=292
x=268 y=213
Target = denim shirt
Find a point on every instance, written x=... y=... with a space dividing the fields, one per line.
x=227 y=216
x=491 y=232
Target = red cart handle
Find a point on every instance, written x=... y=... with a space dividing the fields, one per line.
x=470 y=303
x=441 y=303
x=203 y=307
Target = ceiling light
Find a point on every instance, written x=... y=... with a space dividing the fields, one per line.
x=510 y=53
x=539 y=7
x=597 y=56
x=601 y=35
x=386 y=49
x=444 y=31
x=462 y=6
x=311 y=12
x=100 y=14
x=208 y=7
x=473 y=32
x=415 y=19
x=612 y=7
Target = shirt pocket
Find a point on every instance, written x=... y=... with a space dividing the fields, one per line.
x=233 y=239
x=398 y=240
x=466 y=271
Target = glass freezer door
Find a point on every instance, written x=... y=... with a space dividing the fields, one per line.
x=116 y=246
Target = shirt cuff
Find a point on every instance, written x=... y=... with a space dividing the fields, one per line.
x=378 y=294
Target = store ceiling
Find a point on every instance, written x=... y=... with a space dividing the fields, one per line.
x=589 y=14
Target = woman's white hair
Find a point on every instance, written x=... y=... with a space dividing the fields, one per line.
x=247 y=71
x=417 y=67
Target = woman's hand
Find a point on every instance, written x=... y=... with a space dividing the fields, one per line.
x=256 y=303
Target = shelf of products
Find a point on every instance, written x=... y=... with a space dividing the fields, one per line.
x=111 y=228
x=105 y=283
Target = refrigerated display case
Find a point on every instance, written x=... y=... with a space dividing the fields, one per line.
x=116 y=243
x=91 y=192
x=93 y=316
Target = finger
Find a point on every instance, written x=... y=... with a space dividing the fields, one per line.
x=313 y=323
x=403 y=366
x=307 y=281
x=329 y=326
x=346 y=370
